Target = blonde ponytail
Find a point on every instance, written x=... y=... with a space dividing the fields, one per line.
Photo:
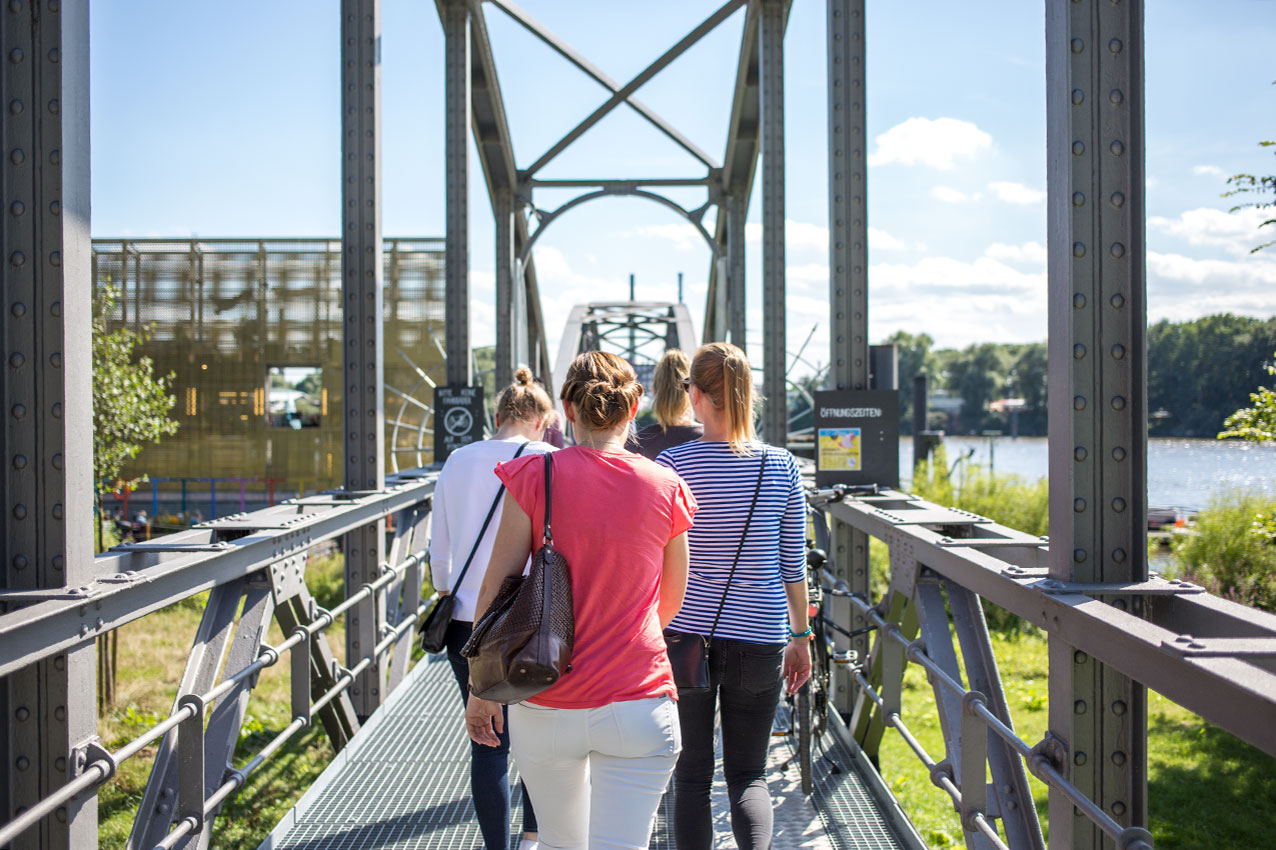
x=722 y=371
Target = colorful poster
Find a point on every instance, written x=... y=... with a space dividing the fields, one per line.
x=839 y=449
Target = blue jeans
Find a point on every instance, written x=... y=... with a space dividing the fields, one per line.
x=489 y=766
x=745 y=684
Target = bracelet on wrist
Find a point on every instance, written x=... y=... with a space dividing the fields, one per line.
x=799 y=635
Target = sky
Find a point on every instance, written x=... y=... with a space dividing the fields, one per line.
x=222 y=119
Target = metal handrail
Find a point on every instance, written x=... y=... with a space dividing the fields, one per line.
x=101 y=769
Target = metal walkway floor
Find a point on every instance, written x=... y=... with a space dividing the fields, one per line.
x=403 y=784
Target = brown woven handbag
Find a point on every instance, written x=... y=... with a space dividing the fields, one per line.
x=523 y=642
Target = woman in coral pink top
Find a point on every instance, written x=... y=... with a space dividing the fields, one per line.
x=608 y=730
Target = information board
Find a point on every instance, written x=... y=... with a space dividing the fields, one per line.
x=857 y=437
x=458 y=419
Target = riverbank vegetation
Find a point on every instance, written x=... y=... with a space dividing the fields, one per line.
x=1199 y=372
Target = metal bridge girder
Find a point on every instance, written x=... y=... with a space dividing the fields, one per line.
x=1098 y=386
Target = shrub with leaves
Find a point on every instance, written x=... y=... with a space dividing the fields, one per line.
x=1232 y=551
x=1256 y=424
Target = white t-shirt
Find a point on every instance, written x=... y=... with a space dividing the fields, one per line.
x=463 y=495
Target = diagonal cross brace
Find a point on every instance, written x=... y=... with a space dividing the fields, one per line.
x=624 y=92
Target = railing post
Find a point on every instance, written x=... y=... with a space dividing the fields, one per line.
x=848 y=280
x=46 y=510
x=1098 y=387
x=362 y=274
x=456 y=36
x=737 y=213
x=775 y=417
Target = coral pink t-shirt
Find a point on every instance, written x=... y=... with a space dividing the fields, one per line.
x=613 y=513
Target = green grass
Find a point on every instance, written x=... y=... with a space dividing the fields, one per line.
x=1207 y=789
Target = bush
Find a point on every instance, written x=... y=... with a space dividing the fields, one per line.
x=1232 y=552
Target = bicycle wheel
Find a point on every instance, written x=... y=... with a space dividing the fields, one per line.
x=805 y=743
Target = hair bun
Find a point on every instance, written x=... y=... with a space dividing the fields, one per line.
x=523 y=376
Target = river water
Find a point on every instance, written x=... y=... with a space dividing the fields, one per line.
x=1181 y=473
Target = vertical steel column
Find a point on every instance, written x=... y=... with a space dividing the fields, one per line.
x=1098 y=386
x=361 y=279
x=848 y=275
x=456 y=35
x=46 y=515
x=506 y=314
x=775 y=425
x=737 y=213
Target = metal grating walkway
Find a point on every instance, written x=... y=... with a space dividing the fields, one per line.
x=403 y=784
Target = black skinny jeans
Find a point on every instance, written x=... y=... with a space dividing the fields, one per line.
x=489 y=766
x=744 y=680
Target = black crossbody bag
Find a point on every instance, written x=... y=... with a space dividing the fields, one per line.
x=689 y=653
x=433 y=630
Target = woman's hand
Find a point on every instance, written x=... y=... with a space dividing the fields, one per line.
x=797 y=664
x=483 y=715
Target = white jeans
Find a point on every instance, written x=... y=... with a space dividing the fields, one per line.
x=596 y=775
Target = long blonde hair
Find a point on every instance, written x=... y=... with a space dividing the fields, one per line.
x=721 y=371
x=671 y=403
x=524 y=400
x=603 y=387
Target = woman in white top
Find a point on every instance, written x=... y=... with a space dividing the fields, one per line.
x=463 y=495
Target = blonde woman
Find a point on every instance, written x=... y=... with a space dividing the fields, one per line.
x=760 y=642
x=463 y=497
x=674 y=424
x=597 y=748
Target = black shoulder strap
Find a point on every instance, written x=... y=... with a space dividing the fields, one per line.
x=549 y=475
x=757 y=488
x=486 y=522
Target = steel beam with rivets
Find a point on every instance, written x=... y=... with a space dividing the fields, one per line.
x=775 y=425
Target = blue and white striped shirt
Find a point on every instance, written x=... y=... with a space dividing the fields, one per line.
x=775 y=552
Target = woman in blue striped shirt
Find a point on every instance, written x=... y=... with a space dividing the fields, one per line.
x=760 y=642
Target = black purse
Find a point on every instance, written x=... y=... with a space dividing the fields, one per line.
x=433 y=628
x=689 y=653
x=523 y=643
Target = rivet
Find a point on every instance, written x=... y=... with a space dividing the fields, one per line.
x=1078 y=352
x=17 y=208
x=1078 y=505
x=59 y=663
x=16 y=55
x=1078 y=249
x=1116 y=147
x=1078 y=199
x=1078 y=97
x=1115 y=45
x=16 y=156
x=55 y=258
x=1118 y=808
x=1118 y=555
x=1118 y=250
x=57 y=461
x=1077 y=45
x=1079 y=454
x=19 y=511
x=19 y=411
x=55 y=360
x=1079 y=707
x=58 y=562
x=1078 y=556
x=1078 y=301
x=1118 y=402
x=20 y=562
x=22 y=763
x=55 y=309
x=1117 y=301
x=1118 y=504
x=54 y=56
x=16 y=359
x=17 y=258
x=1078 y=148
x=1118 y=352
x=59 y=713
x=1118 y=758
x=15 y=108
x=1116 y=97
x=1118 y=454
x=18 y=309
x=55 y=208
x=23 y=713
x=54 y=106
x=1078 y=402
x=59 y=763
x=1118 y=199
x=57 y=511
x=1079 y=657
x=1079 y=758
x=55 y=157
x=60 y=814
x=19 y=461
x=56 y=410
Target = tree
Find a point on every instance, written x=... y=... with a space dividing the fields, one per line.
x=130 y=404
x=1256 y=424
x=914 y=359
x=1248 y=184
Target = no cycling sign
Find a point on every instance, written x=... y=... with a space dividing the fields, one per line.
x=458 y=419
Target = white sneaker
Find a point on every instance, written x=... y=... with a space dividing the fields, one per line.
x=528 y=844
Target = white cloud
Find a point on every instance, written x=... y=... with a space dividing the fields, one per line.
x=683 y=235
x=1016 y=193
x=934 y=142
x=949 y=195
x=880 y=240
x=1213 y=170
x=1028 y=252
x=1182 y=288
x=813 y=239
x=1236 y=232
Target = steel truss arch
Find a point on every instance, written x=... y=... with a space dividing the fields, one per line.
x=695 y=217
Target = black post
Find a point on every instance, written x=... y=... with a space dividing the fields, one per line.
x=921 y=405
